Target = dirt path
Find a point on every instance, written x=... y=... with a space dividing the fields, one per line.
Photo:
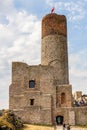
x=37 y=127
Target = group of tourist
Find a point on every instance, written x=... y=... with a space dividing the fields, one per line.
x=66 y=126
x=82 y=101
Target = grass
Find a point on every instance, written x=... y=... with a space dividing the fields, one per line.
x=81 y=126
x=37 y=127
x=4 y=122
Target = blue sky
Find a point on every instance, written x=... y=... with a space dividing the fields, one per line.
x=20 y=38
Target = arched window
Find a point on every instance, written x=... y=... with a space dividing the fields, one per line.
x=31 y=84
x=63 y=98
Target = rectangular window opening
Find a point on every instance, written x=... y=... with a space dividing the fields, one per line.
x=31 y=84
x=31 y=102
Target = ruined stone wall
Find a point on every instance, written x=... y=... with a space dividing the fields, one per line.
x=81 y=115
x=47 y=85
x=52 y=93
x=16 y=89
x=77 y=95
x=73 y=115
x=35 y=116
x=43 y=93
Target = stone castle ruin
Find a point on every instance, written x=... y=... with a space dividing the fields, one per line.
x=41 y=94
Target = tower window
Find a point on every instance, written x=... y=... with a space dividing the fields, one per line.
x=31 y=84
x=31 y=101
x=63 y=98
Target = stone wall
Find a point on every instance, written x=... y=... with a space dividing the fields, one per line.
x=51 y=94
x=54 y=53
x=73 y=115
x=80 y=115
x=77 y=95
x=35 y=116
x=64 y=95
x=54 y=46
x=42 y=94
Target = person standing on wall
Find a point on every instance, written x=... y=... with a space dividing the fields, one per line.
x=64 y=126
x=68 y=127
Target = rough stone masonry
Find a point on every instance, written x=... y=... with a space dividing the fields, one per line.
x=41 y=94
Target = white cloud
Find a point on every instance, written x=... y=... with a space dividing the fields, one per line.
x=78 y=70
x=22 y=22
x=6 y=6
x=22 y=33
x=50 y=2
x=6 y=36
x=74 y=10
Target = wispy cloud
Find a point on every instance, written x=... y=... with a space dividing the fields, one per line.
x=78 y=70
x=74 y=9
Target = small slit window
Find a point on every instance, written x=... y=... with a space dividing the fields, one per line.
x=31 y=84
x=63 y=98
x=31 y=102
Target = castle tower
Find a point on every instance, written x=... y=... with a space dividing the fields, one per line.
x=41 y=94
x=54 y=46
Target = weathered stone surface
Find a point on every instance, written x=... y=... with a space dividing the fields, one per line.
x=51 y=96
x=54 y=24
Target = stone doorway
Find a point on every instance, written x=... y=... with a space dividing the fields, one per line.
x=59 y=120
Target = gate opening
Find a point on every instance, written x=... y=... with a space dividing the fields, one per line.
x=59 y=120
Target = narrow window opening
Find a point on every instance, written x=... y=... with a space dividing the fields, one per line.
x=31 y=102
x=63 y=98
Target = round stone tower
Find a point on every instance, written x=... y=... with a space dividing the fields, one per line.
x=54 y=46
